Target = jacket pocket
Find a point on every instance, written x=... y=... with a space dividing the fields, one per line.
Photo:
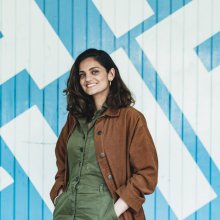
x=57 y=198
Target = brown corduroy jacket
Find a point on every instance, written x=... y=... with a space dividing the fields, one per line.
x=125 y=153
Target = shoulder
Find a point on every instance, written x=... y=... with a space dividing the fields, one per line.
x=131 y=111
x=133 y=114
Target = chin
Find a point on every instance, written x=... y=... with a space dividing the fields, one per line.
x=92 y=92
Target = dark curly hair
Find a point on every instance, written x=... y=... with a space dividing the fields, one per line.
x=80 y=104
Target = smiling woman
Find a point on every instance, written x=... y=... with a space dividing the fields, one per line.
x=106 y=157
x=95 y=67
x=95 y=80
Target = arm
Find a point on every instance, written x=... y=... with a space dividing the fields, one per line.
x=60 y=152
x=144 y=166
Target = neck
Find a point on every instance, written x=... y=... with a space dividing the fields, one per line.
x=99 y=100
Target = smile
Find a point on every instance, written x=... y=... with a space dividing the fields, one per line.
x=91 y=85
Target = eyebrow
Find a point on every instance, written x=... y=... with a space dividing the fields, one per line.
x=90 y=69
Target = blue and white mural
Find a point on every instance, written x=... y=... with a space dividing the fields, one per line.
x=168 y=53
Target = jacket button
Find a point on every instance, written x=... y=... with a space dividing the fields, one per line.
x=81 y=149
x=99 y=132
x=102 y=154
x=110 y=177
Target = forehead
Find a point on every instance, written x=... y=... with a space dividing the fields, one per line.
x=89 y=63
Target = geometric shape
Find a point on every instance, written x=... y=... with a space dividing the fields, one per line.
x=5 y=179
x=30 y=43
x=209 y=52
x=169 y=47
x=32 y=141
x=180 y=180
x=123 y=15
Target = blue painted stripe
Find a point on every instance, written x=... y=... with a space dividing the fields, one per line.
x=80 y=22
x=79 y=27
x=78 y=41
x=65 y=27
x=173 y=116
x=22 y=193
x=21 y=181
x=209 y=52
x=93 y=27
x=162 y=9
x=27 y=197
x=180 y=124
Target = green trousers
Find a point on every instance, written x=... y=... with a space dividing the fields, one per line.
x=85 y=203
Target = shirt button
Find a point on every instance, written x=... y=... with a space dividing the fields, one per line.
x=109 y=177
x=99 y=132
x=87 y=165
x=102 y=154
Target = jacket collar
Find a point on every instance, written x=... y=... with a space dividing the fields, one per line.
x=112 y=112
x=109 y=112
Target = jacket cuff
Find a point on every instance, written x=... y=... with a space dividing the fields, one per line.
x=55 y=189
x=131 y=197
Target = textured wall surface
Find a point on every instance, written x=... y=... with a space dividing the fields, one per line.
x=168 y=54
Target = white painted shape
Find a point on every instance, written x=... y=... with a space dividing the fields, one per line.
x=194 y=89
x=180 y=180
x=32 y=141
x=29 y=42
x=5 y=179
x=123 y=15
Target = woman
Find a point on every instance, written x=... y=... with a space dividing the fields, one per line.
x=105 y=154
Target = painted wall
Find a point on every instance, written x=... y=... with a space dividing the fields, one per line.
x=168 y=52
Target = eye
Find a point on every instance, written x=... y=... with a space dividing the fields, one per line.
x=94 y=72
x=81 y=75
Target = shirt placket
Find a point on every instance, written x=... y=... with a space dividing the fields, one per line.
x=83 y=157
x=85 y=129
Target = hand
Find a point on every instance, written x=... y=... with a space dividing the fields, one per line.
x=120 y=206
x=59 y=193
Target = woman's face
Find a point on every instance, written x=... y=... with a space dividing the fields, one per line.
x=94 y=78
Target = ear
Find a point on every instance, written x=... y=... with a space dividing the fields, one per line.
x=111 y=74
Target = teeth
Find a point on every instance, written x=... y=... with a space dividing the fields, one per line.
x=90 y=85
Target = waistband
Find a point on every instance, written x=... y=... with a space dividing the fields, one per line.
x=83 y=188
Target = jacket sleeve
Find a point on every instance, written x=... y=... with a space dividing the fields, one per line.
x=60 y=153
x=144 y=167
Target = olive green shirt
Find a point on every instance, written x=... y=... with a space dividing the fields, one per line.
x=83 y=166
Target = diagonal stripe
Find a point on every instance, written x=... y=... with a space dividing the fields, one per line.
x=192 y=86
x=5 y=179
x=209 y=52
x=30 y=43
x=32 y=142
x=180 y=179
x=123 y=15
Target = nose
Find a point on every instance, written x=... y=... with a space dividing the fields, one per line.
x=88 y=77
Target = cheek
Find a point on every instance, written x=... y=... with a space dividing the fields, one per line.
x=81 y=82
x=104 y=80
